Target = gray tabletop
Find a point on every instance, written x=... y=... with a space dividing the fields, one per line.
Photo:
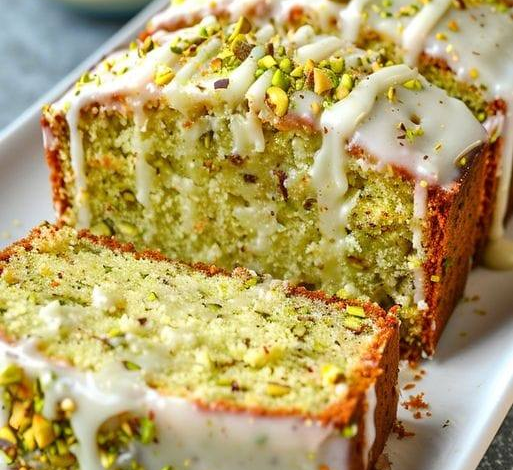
x=40 y=43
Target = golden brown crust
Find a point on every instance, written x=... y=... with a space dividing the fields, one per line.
x=55 y=129
x=493 y=157
x=452 y=230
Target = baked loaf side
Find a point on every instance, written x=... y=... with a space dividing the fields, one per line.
x=292 y=154
x=463 y=47
x=112 y=358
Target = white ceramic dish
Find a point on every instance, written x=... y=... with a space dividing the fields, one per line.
x=469 y=384
x=103 y=8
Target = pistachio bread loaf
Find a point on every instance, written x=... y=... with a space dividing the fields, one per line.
x=292 y=154
x=116 y=359
x=464 y=47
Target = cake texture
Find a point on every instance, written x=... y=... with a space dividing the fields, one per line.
x=289 y=153
x=464 y=47
x=116 y=359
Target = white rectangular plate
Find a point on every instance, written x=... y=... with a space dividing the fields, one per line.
x=469 y=384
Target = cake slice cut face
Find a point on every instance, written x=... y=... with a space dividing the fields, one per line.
x=116 y=359
x=291 y=154
x=464 y=47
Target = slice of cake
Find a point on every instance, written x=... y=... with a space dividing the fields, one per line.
x=465 y=47
x=291 y=154
x=115 y=359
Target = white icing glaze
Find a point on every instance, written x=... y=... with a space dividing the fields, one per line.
x=302 y=105
x=189 y=437
x=435 y=111
x=351 y=19
x=369 y=424
x=256 y=92
x=483 y=45
x=322 y=48
x=248 y=135
x=415 y=34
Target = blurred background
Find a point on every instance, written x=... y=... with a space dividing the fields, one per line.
x=43 y=40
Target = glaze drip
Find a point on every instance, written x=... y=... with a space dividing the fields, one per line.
x=338 y=125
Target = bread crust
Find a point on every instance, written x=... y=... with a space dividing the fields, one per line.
x=453 y=231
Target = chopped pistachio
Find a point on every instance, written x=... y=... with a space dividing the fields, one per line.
x=175 y=49
x=331 y=374
x=147 y=430
x=8 y=435
x=309 y=67
x=128 y=196
x=337 y=64
x=107 y=459
x=352 y=323
x=241 y=48
x=347 y=81
x=350 y=431
x=251 y=282
x=297 y=72
x=20 y=415
x=391 y=94
x=131 y=366
x=412 y=133
x=101 y=229
x=342 y=294
x=127 y=229
x=43 y=431
x=152 y=296
x=62 y=460
x=243 y=26
x=277 y=390
x=164 y=75
x=413 y=84
x=481 y=116
x=356 y=311
x=267 y=62
x=29 y=441
x=322 y=81
x=300 y=84
x=281 y=80
x=341 y=92
x=286 y=65
x=147 y=46
x=12 y=374
x=277 y=100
